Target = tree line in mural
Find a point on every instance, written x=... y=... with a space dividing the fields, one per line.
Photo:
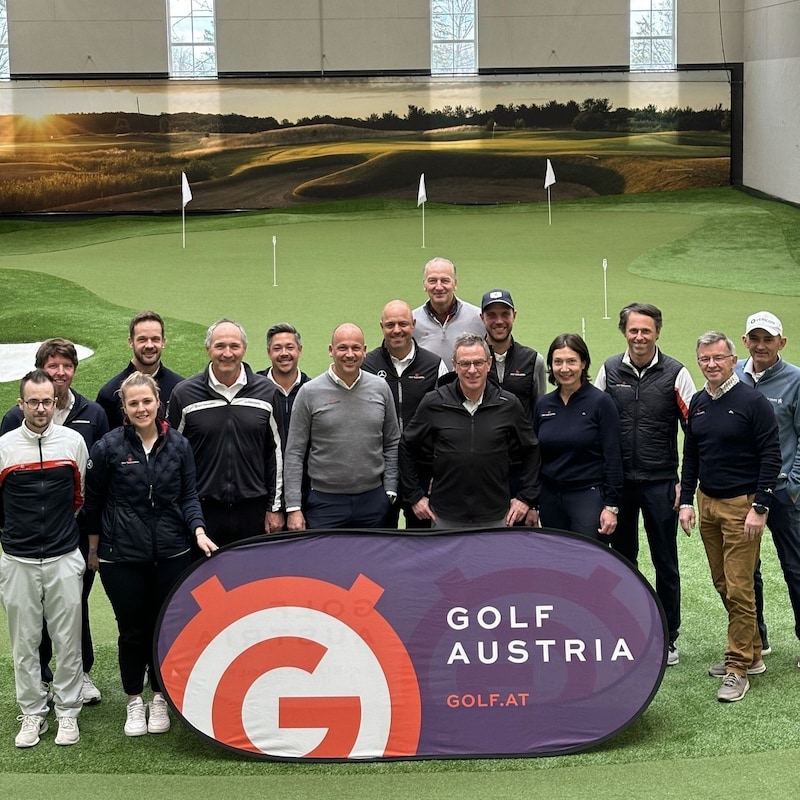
x=593 y=114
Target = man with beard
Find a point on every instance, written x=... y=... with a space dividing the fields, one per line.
x=147 y=341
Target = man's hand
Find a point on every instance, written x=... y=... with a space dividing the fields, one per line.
x=608 y=522
x=532 y=518
x=295 y=521
x=754 y=524
x=273 y=521
x=517 y=510
x=422 y=509
x=687 y=520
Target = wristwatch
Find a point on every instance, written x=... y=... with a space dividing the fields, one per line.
x=613 y=509
x=760 y=508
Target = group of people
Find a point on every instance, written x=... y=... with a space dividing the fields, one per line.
x=448 y=421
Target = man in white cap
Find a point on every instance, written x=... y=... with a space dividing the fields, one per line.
x=779 y=382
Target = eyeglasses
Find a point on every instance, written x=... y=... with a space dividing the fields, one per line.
x=705 y=360
x=478 y=363
x=34 y=404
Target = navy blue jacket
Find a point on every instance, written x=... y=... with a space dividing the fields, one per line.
x=144 y=509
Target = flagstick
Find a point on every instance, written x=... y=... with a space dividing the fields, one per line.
x=605 y=290
x=423 y=226
x=183 y=224
x=274 y=261
x=583 y=328
x=549 y=212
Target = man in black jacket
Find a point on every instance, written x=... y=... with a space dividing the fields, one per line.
x=227 y=414
x=469 y=426
x=411 y=372
x=652 y=393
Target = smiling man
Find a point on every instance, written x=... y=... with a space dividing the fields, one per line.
x=227 y=414
x=652 y=393
x=346 y=421
x=779 y=382
x=146 y=340
x=411 y=372
x=443 y=318
x=731 y=449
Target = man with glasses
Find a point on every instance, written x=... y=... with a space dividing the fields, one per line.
x=468 y=427
x=731 y=449
x=58 y=357
x=42 y=469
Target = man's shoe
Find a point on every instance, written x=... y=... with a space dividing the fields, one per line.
x=48 y=690
x=159 y=715
x=733 y=688
x=766 y=650
x=32 y=726
x=135 y=722
x=68 y=732
x=673 y=656
x=720 y=670
x=90 y=694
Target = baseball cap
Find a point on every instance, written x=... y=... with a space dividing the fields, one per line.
x=497 y=296
x=763 y=319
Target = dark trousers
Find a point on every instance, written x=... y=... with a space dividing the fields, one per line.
x=364 y=510
x=87 y=648
x=577 y=511
x=136 y=591
x=655 y=500
x=784 y=524
x=231 y=522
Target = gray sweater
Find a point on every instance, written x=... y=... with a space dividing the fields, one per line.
x=351 y=436
x=440 y=339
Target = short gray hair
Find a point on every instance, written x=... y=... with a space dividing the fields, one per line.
x=470 y=340
x=215 y=325
x=712 y=337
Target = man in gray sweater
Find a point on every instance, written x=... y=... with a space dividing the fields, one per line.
x=346 y=420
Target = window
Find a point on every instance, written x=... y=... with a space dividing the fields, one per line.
x=4 y=70
x=652 y=35
x=192 y=39
x=453 y=42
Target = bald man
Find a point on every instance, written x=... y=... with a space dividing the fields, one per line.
x=411 y=371
x=346 y=420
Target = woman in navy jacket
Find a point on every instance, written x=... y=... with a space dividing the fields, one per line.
x=142 y=509
x=579 y=438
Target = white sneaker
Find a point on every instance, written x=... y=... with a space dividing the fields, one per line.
x=90 y=694
x=32 y=726
x=135 y=722
x=68 y=732
x=159 y=715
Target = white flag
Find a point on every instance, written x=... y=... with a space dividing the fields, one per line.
x=549 y=176
x=186 y=192
x=421 y=196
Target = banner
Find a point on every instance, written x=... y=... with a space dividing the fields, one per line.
x=368 y=645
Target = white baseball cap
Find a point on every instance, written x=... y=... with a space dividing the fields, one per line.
x=763 y=319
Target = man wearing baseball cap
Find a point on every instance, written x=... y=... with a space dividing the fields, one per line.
x=779 y=382
x=517 y=368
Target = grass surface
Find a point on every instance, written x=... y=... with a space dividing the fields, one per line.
x=708 y=259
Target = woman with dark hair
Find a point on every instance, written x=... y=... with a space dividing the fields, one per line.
x=579 y=438
x=141 y=510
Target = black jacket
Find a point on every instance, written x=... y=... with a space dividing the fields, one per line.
x=109 y=400
x=470 y=453
x=144 y=509
x=649 y=413
x=236 y=445
x=408 y=389
x=521 y=376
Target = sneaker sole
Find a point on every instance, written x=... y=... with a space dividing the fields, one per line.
x=64 y=743
x=136 y=733
x=158 y=730
x=735 y=699
x=92 y=701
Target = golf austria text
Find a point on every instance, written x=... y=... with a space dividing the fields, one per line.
x=369 y=645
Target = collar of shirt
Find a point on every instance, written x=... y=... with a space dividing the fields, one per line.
x=447 y=317
x=285 y=392
x=33 y=435
x=339 y=382
x=401 y=364
x=228 y=392
x=471 y=406
x=626 y=359
x=61 y=414
x=756 y=376
x=725 y=387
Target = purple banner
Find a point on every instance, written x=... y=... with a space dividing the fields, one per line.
x=355 y=645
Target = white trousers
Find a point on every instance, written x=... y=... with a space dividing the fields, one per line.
x=32 y=592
